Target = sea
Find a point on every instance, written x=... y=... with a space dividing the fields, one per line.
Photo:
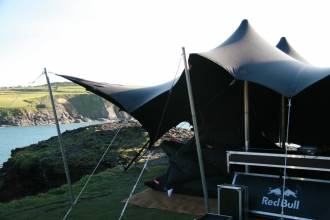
x=17 y=137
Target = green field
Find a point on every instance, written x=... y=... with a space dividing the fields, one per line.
x=102 y=200
x=29 y=97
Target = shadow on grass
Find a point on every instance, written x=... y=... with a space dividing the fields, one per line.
x=101 y=200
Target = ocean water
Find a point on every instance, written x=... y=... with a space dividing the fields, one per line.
x=15 y=137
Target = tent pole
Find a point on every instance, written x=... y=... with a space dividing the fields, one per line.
x=146 y=145
x=286 y=154
x=282 y=133
x=246 y=120
x=198 y=144
x=60 y=140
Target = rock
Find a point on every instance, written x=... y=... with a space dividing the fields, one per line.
x=78 y=108
x=39 y=167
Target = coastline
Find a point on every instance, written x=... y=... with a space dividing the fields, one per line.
x=38 y=167
x=32 y=134
x=87 y=120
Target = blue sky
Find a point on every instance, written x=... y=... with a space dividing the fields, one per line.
x=139 y=42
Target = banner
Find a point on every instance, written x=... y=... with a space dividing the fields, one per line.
x=303 y=198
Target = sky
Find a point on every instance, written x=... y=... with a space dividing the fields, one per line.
x=139 y=42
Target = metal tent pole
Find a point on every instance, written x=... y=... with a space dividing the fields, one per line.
x=60 y=140
x=146 y=145
x=282 y=132
x=246 y=120
x=285 y=158
x=198 y=144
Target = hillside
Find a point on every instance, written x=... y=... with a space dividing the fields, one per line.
x=102 y=199
x=31 y=181
x=38 y=167
x=31 y=105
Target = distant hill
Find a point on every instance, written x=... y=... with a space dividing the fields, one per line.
x=31 y=105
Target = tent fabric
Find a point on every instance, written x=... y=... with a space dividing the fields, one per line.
x=285 y=47
x=146 y=104
x=183 y=174
x=310 y=108
x=247 y=56
x=217 y=81
x=128 y=98
x=219 y=108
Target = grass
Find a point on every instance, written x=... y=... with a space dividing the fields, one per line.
x=101 y=200
x=89 y=105
x=27 y=97
x=23 y=101
x=33 y=167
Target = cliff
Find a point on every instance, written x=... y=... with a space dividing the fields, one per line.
x=39 y=167
x=31 y=106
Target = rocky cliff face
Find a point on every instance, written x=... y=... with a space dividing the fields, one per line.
x=115 y=113
x=39 y=167
x=78 y=108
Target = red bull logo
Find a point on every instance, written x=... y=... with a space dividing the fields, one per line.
x=289 y=200
x=289 y=193
x=276 y=192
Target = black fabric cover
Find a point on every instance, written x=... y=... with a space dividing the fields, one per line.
x=146 y=104
x=183 y=172
x=247 y=56
x=217 y=81
x=310 y=108
x=284 y=46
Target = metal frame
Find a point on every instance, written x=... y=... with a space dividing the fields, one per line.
x=303 y=179
x=279 y=215
x=60 y=139
x=229 y=153
x=277 y=176
x=279 y=155
x=215 y=214
x=239 y=189
x=196 y=133
x=246 y=119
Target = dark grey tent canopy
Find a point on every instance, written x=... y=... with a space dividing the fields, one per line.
x=146 y=104
x=284 y=46
x=217 y=78
x=311 y=107
x=247 y=56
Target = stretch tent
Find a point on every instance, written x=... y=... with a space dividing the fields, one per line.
x=311 y=107
x=246 y=56
x=151 y=106
x=217 y=77
x=284 y=46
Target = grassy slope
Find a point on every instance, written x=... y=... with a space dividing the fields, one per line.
x=101 y=200
x=27 y=97
x=20 y=101
x=38 y=167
